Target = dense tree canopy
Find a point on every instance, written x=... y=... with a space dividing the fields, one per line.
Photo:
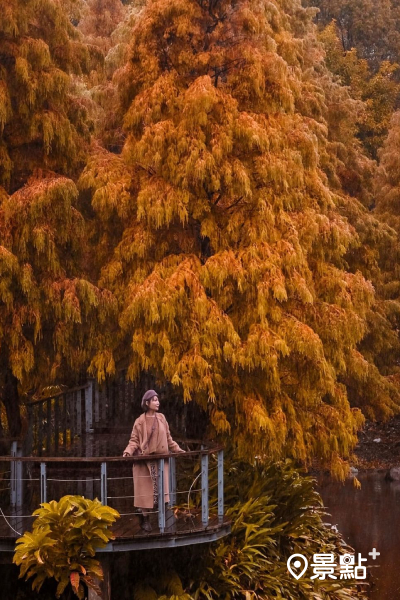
x=42 y=124
x=228 y=236
x=49 y=310
x=202 y=164
x=379 y=90
x=369 y=26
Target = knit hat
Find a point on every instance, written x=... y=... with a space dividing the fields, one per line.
x=148 y=396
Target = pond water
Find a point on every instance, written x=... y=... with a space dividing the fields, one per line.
x=369 y=518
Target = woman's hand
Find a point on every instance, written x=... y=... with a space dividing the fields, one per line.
x=126 y=454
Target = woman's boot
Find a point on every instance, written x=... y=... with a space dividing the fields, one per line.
x=145 y=523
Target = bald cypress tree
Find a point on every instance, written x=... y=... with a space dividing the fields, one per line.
x=228 y=238
x=388 y=188
x=229 y=264
x=50 y=313
x=51 y=316
x=369 y=26
x=42 y=123
x=387 y=210
x=379 y=90
x=99 y=20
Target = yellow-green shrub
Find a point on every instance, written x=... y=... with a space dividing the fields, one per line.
x=63 y=542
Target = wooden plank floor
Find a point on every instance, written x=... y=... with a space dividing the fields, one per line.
x=84 y=479
x=127 y=527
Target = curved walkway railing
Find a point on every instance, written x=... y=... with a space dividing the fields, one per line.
x=193 y=476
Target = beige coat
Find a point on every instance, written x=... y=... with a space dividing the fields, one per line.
x=161 y=443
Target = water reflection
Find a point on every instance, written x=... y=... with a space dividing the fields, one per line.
x=369 y=518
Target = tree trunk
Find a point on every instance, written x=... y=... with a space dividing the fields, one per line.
x=11 y=403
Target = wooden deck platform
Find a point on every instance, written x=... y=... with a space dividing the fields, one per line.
x=92 y=466
x=181 y=529
x=74 y=444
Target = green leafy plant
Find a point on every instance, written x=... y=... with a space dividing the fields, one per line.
x=63 y=543
x=275 y=512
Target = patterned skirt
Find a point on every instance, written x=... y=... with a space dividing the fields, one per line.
x=154 y=479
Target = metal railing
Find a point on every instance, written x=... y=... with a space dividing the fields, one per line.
x=108 y=479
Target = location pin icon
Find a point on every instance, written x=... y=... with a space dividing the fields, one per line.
x=296 y=561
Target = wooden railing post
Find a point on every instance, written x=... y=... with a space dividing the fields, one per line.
x=78 y=401
x=48 y=426
x=28 y=446
x=204 y=489
x=13 y=478
x=104 y=403
x=96 y=402
x=71 y=414
x=89 y=407
x=64 y=420
x=56 y=424
x=161 y=497
x=40 y=429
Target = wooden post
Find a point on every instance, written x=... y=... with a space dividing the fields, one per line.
x=29 y=436
x=40 y=429
x=64 y=421
x=35 y=428
x=71 y=413
x=89 y=407
x=111 y=402
x=48 y=427
x=121 y=399
x=56 y=424
x=13 y=476
x=104 y=403
x=78 y=401
x=96 y=402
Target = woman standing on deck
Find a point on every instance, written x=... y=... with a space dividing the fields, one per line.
x=150 y=435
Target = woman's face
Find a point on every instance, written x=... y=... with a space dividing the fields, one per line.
x=154 y=403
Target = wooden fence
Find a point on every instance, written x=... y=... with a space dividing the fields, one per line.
x=54 y=422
